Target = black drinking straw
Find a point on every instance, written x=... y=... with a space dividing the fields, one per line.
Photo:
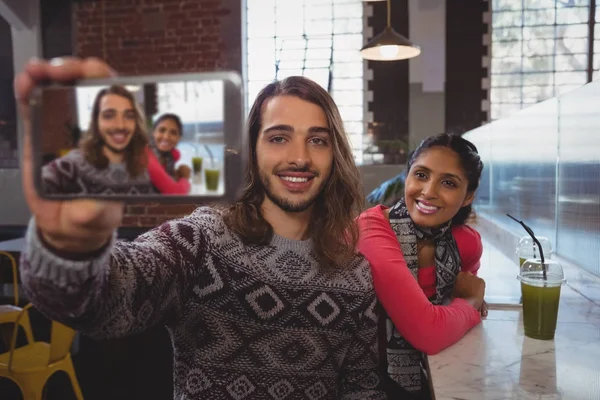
x=530 y=232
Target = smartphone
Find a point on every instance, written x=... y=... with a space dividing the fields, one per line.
x=174 y=138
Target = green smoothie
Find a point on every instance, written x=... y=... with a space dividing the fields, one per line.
x=197 y=164
x=540 y=310
x=211 y=177
x=521 y=261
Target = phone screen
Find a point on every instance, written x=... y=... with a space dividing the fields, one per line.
x=174 y=136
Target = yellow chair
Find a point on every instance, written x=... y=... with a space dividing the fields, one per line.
x=10 y=313
x=31 y=366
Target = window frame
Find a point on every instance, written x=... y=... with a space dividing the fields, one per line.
x=340 y=63
x=519 y=71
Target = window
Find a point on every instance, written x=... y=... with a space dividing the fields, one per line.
x=318 y=39
x=539 y=50
x=193 y=102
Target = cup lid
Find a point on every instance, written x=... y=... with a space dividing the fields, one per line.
x=529 y=248
x=532 y=272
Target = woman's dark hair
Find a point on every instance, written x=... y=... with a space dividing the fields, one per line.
x=173 y=117
x=469 y=159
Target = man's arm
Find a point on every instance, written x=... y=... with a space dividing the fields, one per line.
x=362 y=373
x=124 y=288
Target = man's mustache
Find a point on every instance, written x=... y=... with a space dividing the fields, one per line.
x=305 y=169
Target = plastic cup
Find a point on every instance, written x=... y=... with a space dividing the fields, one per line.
x=211 y=178
x=197 y=164
x=541 y=297
x=527 y=248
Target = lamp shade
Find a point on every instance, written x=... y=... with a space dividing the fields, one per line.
x=389 y=45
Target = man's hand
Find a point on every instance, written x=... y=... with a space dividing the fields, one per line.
x=77 y=226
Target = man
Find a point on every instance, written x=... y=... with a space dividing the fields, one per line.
x=111 y=158
x=264 y=299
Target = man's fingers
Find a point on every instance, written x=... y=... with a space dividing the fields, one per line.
x=69 y=68
x=96 y=68
x=64 y=69
x=23 y=85
x=91 y=214
x=112 y=214
x=59 y=69
x=35 y=70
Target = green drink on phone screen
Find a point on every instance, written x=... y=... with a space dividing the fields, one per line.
x=197 y=164
x=211 y=177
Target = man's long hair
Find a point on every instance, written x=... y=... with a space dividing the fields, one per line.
x=332 y=227
x=136 y=159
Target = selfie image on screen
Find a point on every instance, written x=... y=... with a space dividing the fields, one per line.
x=163 y=138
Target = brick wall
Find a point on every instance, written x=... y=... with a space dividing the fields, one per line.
x=148 y=215
x=59 y=107
x=160 y=36
x=465 y=50
x=149 y=37
x=59 y=110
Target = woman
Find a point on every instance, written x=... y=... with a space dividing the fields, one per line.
x=423 y=259
x=163 y=154
x=111 y=158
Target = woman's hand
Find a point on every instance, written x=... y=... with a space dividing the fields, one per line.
x=470 y=287
x=484 y=309
x=183 y=172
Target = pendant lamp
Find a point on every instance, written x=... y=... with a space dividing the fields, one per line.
x=389 y=45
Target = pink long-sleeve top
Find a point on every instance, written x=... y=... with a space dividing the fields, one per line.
x=429 y=328
x=161 y=179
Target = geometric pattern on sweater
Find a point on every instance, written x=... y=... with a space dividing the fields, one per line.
x=73 y=174
x=246 y=322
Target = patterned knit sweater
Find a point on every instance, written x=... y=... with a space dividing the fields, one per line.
x=246 y=322
x=73 y=174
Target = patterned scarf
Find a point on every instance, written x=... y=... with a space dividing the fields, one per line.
x=166 y=159
x=405 y=363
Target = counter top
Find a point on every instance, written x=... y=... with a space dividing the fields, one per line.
x=496 y=361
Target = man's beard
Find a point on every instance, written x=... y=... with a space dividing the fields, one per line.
x=285 y=204
x=113 y=150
